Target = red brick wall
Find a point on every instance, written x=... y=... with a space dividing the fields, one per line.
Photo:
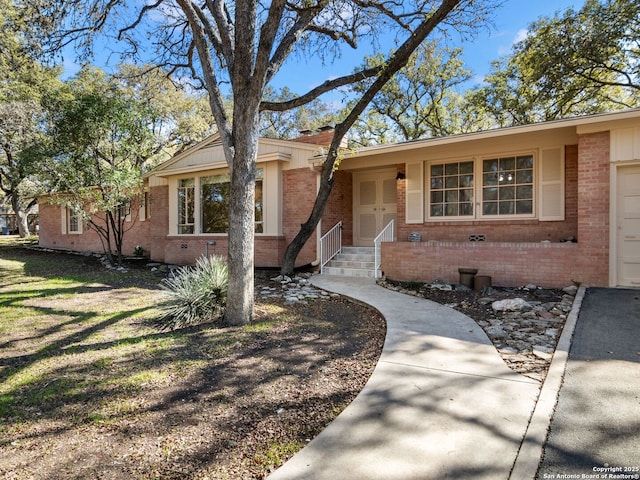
x=299 y=187
x=185 y=250
x=340 y=206
x=501 y=230
x=513 y=254
x=546 y=264
x=593 y=207
x=51 y=236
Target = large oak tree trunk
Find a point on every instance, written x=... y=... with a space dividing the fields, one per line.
x=22 y=216
x=240 y=296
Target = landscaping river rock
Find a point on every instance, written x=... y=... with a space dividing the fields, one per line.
x=524 y=323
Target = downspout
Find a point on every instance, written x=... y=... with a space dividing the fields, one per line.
x=316 y=262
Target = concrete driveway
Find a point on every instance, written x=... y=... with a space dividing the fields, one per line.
x=595 y=430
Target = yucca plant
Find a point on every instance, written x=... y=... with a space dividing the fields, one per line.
x=195 y=294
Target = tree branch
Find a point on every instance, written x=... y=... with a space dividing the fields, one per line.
x=143 y=11
x=225 y=29
x=305 y=17
x=319 y=90
x=216 y=101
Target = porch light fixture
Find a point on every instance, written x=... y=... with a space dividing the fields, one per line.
x=400 y=176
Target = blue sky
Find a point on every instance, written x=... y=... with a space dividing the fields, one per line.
x=510 y=24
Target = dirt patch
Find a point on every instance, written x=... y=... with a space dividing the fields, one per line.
x=89 y=389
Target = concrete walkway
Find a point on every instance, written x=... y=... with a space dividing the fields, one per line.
x=441 y=403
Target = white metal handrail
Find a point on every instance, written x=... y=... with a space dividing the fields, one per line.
x=330 y=245
x=386 y=235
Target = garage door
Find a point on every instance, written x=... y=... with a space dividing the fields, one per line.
x=628 y=226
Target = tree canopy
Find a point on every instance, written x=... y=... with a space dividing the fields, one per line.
x=26 y=86
x=423 y=99
x=578 y=62
x=105 y=132
x=238 y=48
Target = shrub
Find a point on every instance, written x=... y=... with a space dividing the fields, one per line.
x=195 y=294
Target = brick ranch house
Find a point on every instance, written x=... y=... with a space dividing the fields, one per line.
x=549 y=203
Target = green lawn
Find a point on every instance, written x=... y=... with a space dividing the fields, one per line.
x=91 y=388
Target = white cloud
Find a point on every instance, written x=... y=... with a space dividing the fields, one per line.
x=521 y=35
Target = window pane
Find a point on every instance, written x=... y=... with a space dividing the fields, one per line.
x=524 y=207
x=451 y=169
x=490 y=179
x=436 y=182
x=259 y=207
x=466 y=180
x=524 y=192
x=490 y=165
x=508 y=163
x=451 y=196
x=186 y=205
x=451 y=182
x=507 y=208
x=507 y=193
x=490 y=194
x=451 y=210
x=437 y=170
x=506 y=178
x=437 y=210
x=466 y=195
x=490 y=208
x=215 y=204
x=466 y=167
x=437 y=197
x=524 y=162
x=466 y=209
x=524 y=176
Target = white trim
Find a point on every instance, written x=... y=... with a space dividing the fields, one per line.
x=68 y=216
x=63 y=219
x=613 y=218
x=580 y=123
x=478 y=216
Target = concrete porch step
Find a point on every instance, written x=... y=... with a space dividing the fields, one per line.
x=353 y=262
x=349 y=272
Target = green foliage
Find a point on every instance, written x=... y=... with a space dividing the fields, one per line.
x=420 y=101
x=25 y=85
x=287 y=124
x=195 y=294
x=579 y=62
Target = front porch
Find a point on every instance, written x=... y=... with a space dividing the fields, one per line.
x=509 y=264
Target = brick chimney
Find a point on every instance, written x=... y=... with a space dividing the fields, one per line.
x=323 y=136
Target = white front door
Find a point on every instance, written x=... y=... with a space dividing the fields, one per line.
x=374 y=204
x=628 y=226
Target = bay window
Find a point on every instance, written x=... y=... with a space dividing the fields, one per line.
x=212 y=203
